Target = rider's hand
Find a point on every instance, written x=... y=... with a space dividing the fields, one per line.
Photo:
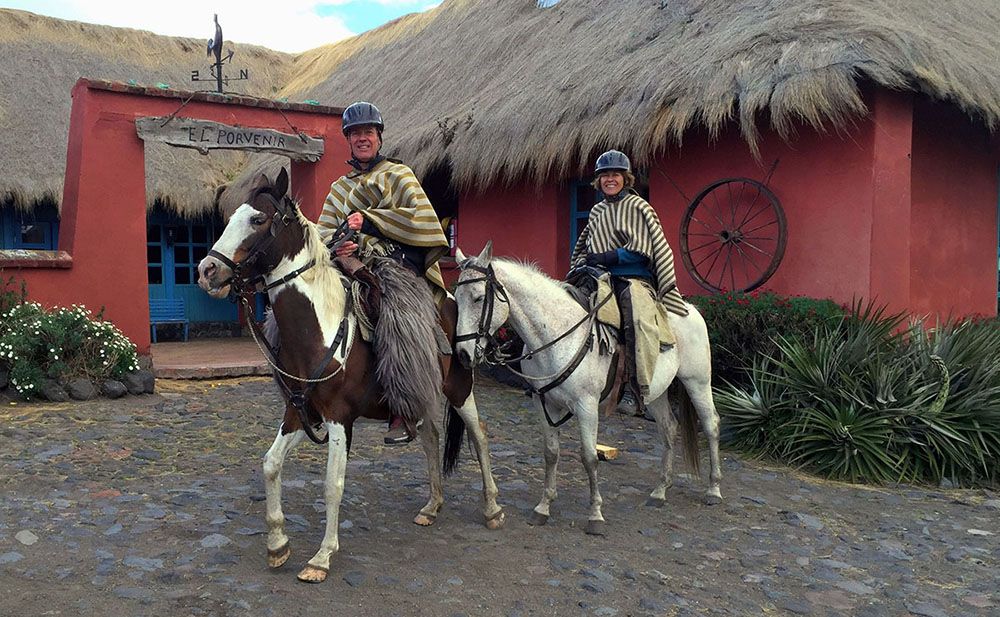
x=355 y=220
x=346 y=248
x=604 y=260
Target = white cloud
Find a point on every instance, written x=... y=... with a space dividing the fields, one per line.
x=287 y=25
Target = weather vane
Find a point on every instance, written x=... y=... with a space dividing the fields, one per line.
x=215 y=47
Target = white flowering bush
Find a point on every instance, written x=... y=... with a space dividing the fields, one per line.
x=60 y=344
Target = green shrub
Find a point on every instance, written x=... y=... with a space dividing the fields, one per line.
x=867 y=399
x=743 y=328
x=60 y=344
x=11 y=294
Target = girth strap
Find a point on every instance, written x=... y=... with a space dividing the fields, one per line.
x=580 y=355
x=299 y=399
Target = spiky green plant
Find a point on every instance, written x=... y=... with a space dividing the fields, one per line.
x=866 y=399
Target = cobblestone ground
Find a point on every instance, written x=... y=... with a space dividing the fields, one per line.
x=154 y=506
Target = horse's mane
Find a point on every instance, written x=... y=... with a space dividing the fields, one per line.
x=531 y=269
x=326 y=275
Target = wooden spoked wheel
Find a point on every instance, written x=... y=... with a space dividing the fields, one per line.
x=733 y=235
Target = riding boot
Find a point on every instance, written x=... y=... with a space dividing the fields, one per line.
x=398 y=433
x=631 y=402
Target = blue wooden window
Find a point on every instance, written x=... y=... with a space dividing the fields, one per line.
x=37 y=229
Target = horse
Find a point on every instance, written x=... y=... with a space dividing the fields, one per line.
x=491 y=292
x=326 y=370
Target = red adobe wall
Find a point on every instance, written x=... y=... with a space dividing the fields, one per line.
x=901 y=208
x=953 y=258
x=103 y=219
x=526 y=223
x=824 y=184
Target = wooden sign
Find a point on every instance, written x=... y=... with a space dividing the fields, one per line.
x=204 y=135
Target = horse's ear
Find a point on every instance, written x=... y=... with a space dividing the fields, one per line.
x=487 y=254
x=261 y=181
x=280 y=184
x=459 y=255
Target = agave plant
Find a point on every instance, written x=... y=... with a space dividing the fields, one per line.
x=752 y=419
x=867 y=399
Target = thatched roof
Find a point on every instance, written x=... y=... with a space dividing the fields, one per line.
x=42 y=60
x=502 y=88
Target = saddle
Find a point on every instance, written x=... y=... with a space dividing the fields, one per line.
x=371 y=292
x=635 y=348
x=368 y=292
x=589 y=286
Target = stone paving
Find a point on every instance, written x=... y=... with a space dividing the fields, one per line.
x=153 y=505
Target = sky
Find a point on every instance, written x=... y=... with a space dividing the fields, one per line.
x=283 y=25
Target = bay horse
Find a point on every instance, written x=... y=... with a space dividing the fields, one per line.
x=324 y=367
x=541 y=311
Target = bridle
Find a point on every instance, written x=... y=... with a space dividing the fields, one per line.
x=494 y=291
x=241 y=282
x=243 y=285
x=499 y=357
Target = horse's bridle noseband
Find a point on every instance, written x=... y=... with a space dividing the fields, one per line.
x=494 y=291
x=242 y=283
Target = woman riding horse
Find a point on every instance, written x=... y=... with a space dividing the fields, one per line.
x=383 y=201
x=624 y=236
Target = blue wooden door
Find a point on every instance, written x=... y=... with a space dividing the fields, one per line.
x=582 y=197
x=174 y=247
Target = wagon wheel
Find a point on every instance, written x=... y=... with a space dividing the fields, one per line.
x=733 y=235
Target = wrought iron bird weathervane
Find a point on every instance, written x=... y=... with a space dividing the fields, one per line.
x=215 y=47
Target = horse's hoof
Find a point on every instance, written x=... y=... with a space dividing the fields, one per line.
x=313 y=574
x=425 y=520
x=496 y=521
x=713 y=500
x=594 y=528
x=538 y=519
x=278 y=557
x=656 y=502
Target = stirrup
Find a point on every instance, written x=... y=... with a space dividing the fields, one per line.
x=397 y=435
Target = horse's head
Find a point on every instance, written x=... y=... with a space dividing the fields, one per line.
x=259 y=234
x=482 y=306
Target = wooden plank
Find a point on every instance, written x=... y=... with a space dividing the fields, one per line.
x=606 y=453
x=204 y=135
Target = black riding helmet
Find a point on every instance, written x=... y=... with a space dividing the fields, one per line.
x=361 y=114
x=612 y=160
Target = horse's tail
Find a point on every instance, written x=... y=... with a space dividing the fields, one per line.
x=454 y=431
x=688 y=418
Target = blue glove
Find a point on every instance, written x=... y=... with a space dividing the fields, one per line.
x=604 y=260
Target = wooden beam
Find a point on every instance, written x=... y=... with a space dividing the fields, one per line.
x=606 y=453
x=204 y=135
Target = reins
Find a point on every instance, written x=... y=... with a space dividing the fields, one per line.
x=244 y=286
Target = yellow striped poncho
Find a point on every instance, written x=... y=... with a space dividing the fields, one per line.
x=632 y=224
x=392 y=199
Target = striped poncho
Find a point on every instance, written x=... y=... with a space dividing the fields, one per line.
x=393 y=201
x=632 y=224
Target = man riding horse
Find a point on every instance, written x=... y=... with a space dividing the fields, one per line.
x=383 y=202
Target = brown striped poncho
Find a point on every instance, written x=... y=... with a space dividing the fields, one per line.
x=392 y=199
x=632 y=224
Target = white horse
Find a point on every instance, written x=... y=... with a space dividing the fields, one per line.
x=491 y=292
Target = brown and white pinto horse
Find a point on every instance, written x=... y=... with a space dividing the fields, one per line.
x=318 y=337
